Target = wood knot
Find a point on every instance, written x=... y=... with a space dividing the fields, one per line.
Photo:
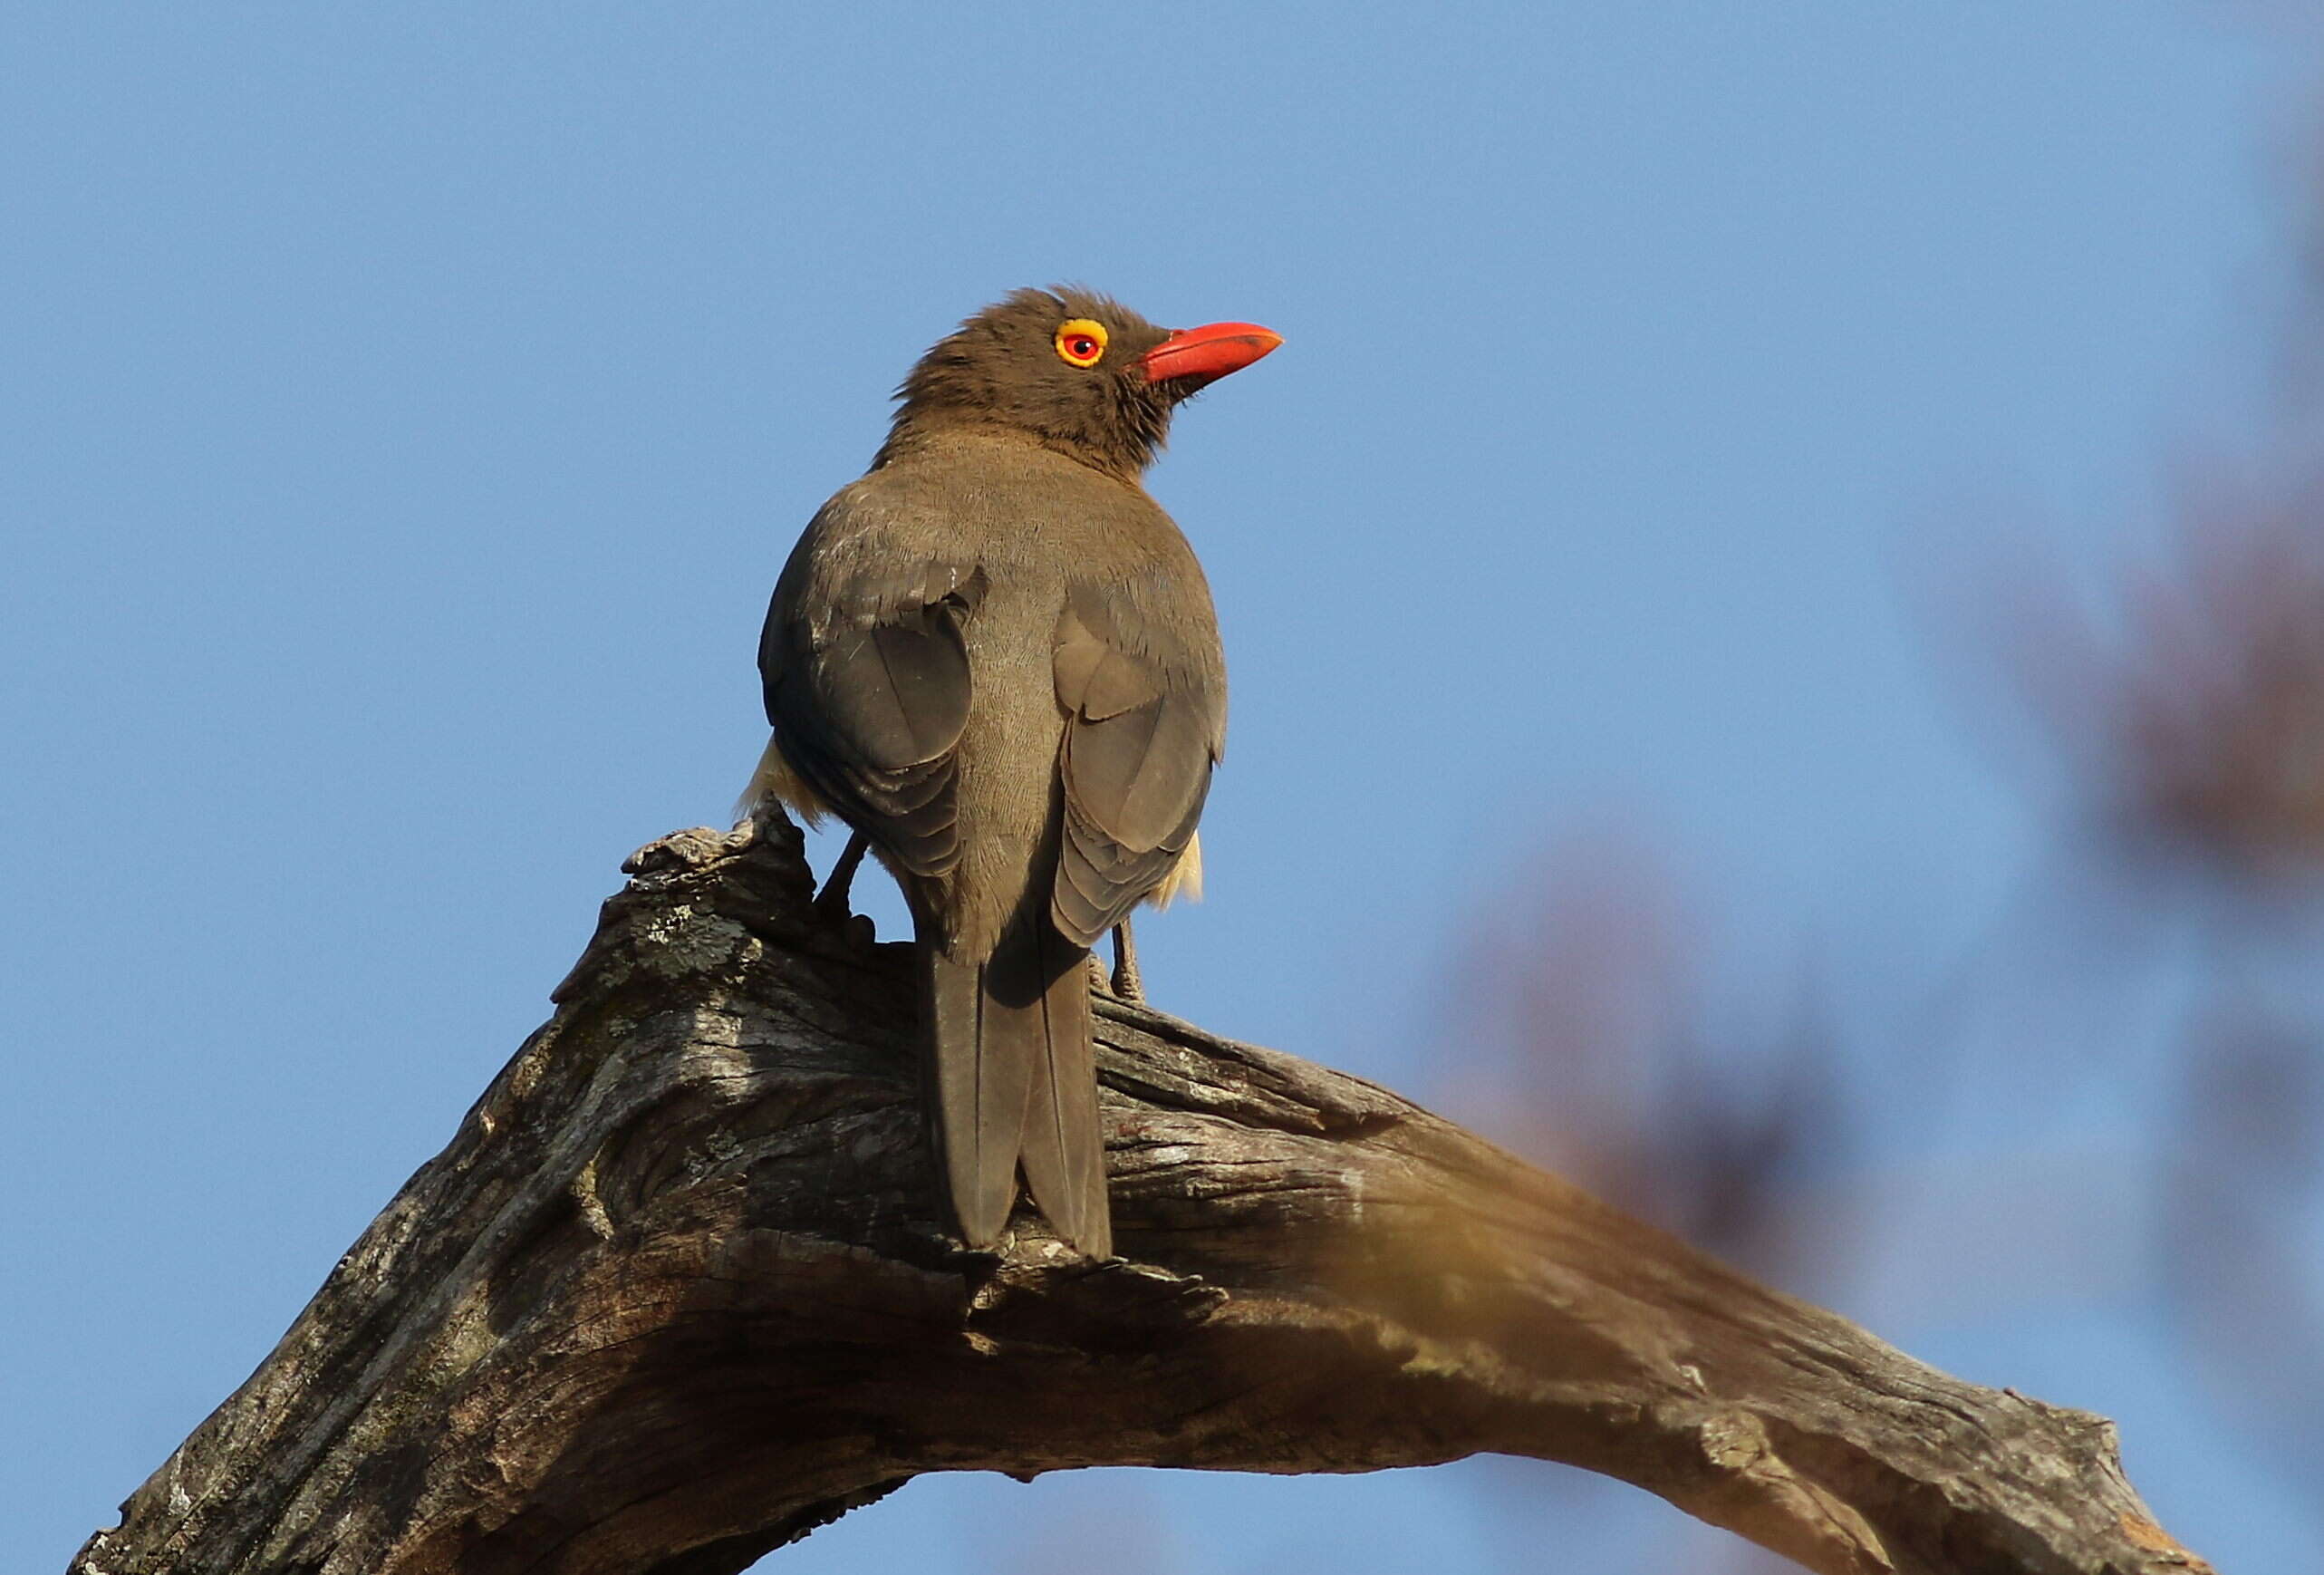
x=696 y=848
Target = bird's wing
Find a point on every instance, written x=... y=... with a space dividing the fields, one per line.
x=1143 y=724
x=867 y=677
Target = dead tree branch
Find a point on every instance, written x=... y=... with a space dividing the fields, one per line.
x=675 y=1295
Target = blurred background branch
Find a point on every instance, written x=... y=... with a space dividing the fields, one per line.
x=2172 y=933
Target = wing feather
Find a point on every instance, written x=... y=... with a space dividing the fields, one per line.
x=865 y=668
x=1141 y=737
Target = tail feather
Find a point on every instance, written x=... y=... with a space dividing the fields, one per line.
x=979 y=1076
x=1064 y=1146
x=1013 y=1079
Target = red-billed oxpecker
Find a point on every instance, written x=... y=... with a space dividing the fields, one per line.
x=995 y=658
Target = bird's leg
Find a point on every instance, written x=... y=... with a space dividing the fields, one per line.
x=832 y=901
x=1128 y=983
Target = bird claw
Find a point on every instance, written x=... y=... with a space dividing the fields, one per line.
x=831 y=905
x=1127 y=983
x=1127 y=987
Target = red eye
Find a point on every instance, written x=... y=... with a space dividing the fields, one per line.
x=1083 y=347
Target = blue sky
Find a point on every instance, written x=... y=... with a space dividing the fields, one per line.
x=406 y=412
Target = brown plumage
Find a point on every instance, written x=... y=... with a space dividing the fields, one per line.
x=995 y=658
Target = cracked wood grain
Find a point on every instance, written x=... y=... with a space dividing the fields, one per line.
x=675 y=1295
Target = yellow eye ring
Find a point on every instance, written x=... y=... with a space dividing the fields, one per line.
x=1081 y=341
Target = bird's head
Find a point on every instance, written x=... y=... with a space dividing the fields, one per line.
x=1071 y=369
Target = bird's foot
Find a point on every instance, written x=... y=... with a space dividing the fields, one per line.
x=831 y=904
x=1128 y=983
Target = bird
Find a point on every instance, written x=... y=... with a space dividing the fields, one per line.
x=995 y=659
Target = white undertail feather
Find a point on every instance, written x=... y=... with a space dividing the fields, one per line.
x=1185 y=878
x=775 y=780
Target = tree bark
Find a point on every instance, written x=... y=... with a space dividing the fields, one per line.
x=676 y=1294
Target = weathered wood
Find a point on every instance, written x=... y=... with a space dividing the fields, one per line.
x=675 y=1295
